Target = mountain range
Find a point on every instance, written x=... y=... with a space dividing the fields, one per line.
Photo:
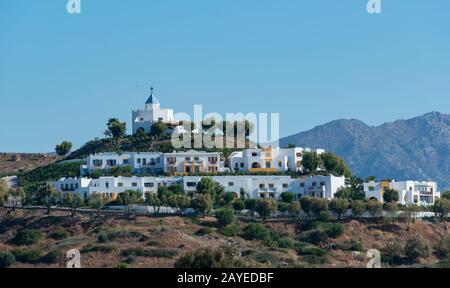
x=417 y=148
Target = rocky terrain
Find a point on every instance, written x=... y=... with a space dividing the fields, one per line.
x=15 y=163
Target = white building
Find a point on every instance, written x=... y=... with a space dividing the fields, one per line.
x=140 y=162
x=112 y=186
x=269 y=159
x=422 y=193
x=254 y=186
x=143 y=119
x=193 y=162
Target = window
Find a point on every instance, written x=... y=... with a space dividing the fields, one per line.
x=254 y=154
x=97 y=163
x=134 y=184
x=139 y=160
x=196 y=158
x=322 y=184
x=187 y=158
x=262 y=186
x=268 y=164
x=231 y=184
x=314 y=184
x=144 y=161
x=149 y=185
x=76 y=186
x=302 y=185
x=236 y=165
x=111 y=162
x=371 y=188
x=280 y=164
x=126 y=161
x=271 y=186
x=158 y=160
x=120 y=184
x=242 y=165
x=285 y=185
x=107 y=185
x=191 y=184
x=299 y=154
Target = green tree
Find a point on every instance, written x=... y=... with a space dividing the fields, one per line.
x=116 y=128
x=73 y=202
x=374 y=208
x=266 y=207
x=47 y=196
x=16 y=196
x=238 y=205
x=179 y=202
x=446 y=195
x=97 y=201
x=228 y=198
x=129 y=198
x=153 y=201
x=3 y=192
x=306 y=204
x=250 y=204
x=393 y=250
x=334 y=164
x=318 y=206
x=158 y=129
x=416 y=248
x=443 y=247
x=64 y=148
x=390 y=195
x=339 y=206
x=294 y=208
x=208 y=186
x=358 y=208
x=287 y=197
x=225 y=216
x=202 y=203
x=311 y=161
x=442 y=208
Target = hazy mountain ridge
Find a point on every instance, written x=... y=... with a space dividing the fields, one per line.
x=417 y=148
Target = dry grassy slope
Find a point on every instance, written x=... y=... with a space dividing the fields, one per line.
x=179 y=234
x=12 y=163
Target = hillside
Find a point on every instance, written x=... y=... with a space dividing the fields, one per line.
x=417 y=148
x=146 y=242
x=15 y=163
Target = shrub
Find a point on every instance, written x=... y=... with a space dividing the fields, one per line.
x=6 y=259
x=317 y=260
x=97 y=248
x=225 y=216
x=27 y=237
x=52 y=257
x=137 y=252
x=27 y=256
x=122 y=265
x=59 y=234
x=392 y=252
x=443 y=247
x=286 y=242
x=102 y=238
x=153 y=243
x=256 y=231
x=314 y=236
x=162 y=253
x=207 y=258
x=324 y=216
x=335 y=230
x=230 y=230
x=312 y=250
x=266 y=258
x=416 y=248
x=203 y=231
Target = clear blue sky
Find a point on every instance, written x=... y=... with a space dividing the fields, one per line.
x=62 y=76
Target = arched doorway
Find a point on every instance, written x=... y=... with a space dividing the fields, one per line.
x=256 y=165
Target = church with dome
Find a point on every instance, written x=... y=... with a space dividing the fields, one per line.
x=144 y=119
